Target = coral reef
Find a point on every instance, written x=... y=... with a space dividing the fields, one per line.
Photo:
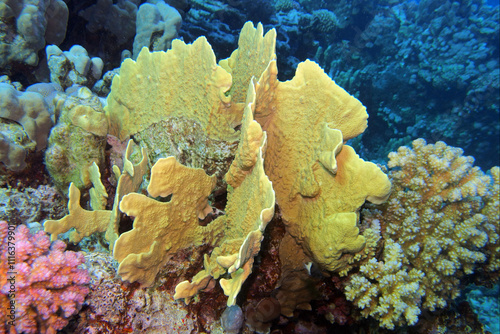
x=73 y=67
x=31 y=205
x=284 y=101
x=116 y=18
x=393 y=56
x=27 y=26
x=434 y=218
x=420 y=76
x=28 y=110
x=78 y=139
x=309 y=165
x=157 y=25
x=203 y=174
x=41 y=283
x=424 y=75
x=116 y=306
x=385 y=290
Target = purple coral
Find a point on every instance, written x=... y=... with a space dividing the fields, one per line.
x=41 y=284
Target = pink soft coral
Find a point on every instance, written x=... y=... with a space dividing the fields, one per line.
x=49 y=286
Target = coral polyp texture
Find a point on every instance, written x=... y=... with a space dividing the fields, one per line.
x=283 y=137
x=41 y=284
x=386 y=290
x=443 y=216
x=435 y=215
x=309 y=165
x=212 y=192
x=491 y=211
x=320 y=183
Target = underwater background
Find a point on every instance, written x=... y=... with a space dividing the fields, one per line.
x=330 y=167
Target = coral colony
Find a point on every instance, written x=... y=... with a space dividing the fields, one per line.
x=43 y=286
x=187 y=186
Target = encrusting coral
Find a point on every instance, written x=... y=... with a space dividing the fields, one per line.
x=442 y=216
x=31 y=205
